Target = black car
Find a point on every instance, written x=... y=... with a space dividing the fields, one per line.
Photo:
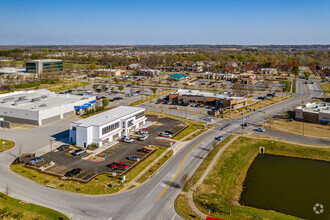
x=73 y=172
x=63 y=147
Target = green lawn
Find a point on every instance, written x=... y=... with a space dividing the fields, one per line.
x=11 y=208
x=98 y=185
x=149 y=98
x=225 y=181
x=64 y=86
x=325 y=87
x=4 y=144
x=183 y=208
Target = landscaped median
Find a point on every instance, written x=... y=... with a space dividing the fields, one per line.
x=149 y=98
x=220 y=192
x=6 y=145
x=326 y=88
x=11 y=208
x=101 y=184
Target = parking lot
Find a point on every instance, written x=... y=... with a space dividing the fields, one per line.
x=118 y=152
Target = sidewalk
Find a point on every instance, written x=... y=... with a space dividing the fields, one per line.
x=201 y=180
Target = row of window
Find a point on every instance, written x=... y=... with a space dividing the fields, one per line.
x=139 y=115
x=110 y=128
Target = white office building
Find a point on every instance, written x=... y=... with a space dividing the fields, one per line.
x=107 y=126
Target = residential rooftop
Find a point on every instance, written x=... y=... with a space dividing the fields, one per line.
x=108 y=116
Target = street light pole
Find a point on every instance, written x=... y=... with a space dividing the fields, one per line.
x=265 y=115
x=242 y=122
x=51 y=150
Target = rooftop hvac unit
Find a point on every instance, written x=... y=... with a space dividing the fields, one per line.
x=8 y=100
x=42 y=105
x=35 y=99
x=21 y=98
x=44 y=97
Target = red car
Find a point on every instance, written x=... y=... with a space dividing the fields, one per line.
x=144 y=150
x=119 y=166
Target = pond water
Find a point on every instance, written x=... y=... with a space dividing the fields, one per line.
x=294 y=186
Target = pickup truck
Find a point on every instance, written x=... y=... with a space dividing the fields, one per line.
x=119 y=166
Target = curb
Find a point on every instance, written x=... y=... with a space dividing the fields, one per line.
x=9 y=148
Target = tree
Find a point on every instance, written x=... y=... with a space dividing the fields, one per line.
x=295 y=70
x=154 y=90
x=133 y=83
x=112 y=88
x=229 y=200
x=103 y=87
x=105 y=102
x=307 y=74
x=138 y=83
x=120 y=87
x=184 y=180
x=95 y=86
x=93 y=66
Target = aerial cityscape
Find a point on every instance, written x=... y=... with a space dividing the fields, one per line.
x=164 y=110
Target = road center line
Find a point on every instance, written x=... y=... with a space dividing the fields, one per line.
x=181 y=165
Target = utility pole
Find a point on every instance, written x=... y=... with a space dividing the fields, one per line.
x=230 y=107
x=303 y=129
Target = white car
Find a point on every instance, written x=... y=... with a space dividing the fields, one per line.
x=128 y=140
x=261 y=129
x=143 y=137
x=208 y=119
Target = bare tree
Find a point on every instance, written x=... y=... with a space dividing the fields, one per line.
x=229 y=200
x=184 y=180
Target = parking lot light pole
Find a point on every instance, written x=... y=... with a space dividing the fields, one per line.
x=243 y=122
x=265 y=115
x=51 y=150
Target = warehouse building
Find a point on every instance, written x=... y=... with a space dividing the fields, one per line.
x=38 y=107
x=107 y=126
x=207 y=98
x=314 y=112
x=45 y=66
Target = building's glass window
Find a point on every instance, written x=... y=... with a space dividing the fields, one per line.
x=139 y=115
x=110 y=128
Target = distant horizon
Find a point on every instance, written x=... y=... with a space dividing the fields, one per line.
x=12 y=45
x=170 y=22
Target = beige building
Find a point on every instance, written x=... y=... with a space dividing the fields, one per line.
x=222 y=100
x=109 y=72
x=314 y=112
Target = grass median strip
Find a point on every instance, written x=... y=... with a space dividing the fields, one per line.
x=98 y=185
x=224 y=184
x=11 y=208
x=155 y=167
x=5 y=145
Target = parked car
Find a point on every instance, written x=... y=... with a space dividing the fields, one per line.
x=142 y=131
x=208 y=119
x=143 y=137
x=220 y=138
x=261 y=129
x=36 y=160
x=63 y=147
x=144 y=150
x=246 y=124
x=119 y=166
x=134 y=158
x=128 y=140
x=72 y=172
x=79 y=152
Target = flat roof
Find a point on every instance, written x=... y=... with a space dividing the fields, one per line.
x=12 y=70
x=187 y=92
x=316 y=107
x=45 y=60
x=108 y=116
x=39 y=99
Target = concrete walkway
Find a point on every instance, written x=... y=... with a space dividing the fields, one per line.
x=201 y=180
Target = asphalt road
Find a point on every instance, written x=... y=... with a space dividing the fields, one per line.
x=152 y=200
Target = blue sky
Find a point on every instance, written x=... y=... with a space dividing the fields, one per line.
x=107 y=22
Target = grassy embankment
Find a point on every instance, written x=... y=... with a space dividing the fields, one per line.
x=299 y=127
x=5 y=144
x=98 y=185
x=256 y=106
x=11 y=208
x=227 y=176
x=326 y=88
